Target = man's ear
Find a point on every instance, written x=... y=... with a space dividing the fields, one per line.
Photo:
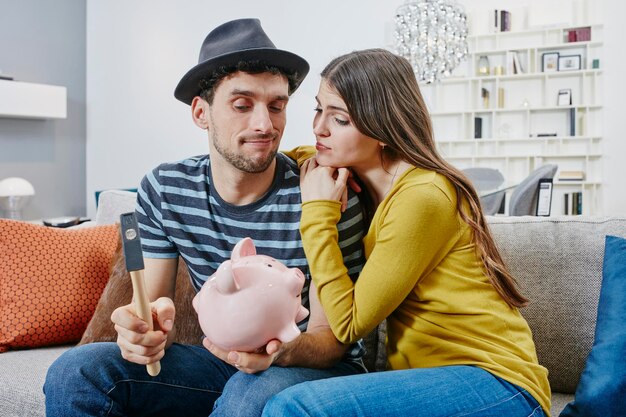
x=200 y=112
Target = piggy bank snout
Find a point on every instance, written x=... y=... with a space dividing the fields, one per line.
x=297 y=281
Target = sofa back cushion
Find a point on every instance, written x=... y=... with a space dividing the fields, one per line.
x=558 y=263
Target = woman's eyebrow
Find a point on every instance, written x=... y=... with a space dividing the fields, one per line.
x=333 y=107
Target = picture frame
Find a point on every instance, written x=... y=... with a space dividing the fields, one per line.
x=544 y=197
x=550 y=62
x=569 y=62
x=564 y=97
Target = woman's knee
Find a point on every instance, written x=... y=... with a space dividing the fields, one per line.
x=294 y=401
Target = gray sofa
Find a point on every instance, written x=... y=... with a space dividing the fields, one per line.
x=557 y=261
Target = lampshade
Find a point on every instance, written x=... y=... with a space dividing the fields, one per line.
x=15 y=193
x=14 y=186
x=432 y=35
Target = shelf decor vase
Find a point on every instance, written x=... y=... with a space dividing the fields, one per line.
x=483 y=65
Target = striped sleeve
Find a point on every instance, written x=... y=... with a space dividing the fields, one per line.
x=154 y=241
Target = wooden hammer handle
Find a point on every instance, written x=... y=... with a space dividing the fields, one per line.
x=142 y=305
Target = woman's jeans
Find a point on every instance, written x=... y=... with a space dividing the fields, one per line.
x=433 y=392
x=94 y=380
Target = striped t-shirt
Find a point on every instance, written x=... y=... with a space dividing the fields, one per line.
x=181 y=214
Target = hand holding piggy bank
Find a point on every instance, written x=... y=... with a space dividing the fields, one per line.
x=250 y=300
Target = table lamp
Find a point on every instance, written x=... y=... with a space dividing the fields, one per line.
x=15 y=193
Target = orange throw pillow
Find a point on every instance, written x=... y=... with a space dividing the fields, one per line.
x=50 y=281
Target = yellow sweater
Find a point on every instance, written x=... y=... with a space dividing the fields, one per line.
x=423 y=275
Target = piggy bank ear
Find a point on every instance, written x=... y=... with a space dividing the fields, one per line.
x=245 y=247
x=244 y=276
x=224 y=279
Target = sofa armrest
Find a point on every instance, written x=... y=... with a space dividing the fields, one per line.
x=112 y=203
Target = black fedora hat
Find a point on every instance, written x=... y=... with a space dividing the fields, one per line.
x=234 y=41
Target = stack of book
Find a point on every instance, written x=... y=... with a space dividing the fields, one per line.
x=571 y=176
x=578 y=34
x=573 y=203
x=513 y=64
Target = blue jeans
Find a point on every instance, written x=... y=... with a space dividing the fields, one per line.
x=94 y=380
x=434 y=392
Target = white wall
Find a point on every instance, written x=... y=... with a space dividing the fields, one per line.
x=137 y=51
x=44 y=42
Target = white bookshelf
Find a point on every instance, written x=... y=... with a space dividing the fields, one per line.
x=32 y=101
x=513 y=129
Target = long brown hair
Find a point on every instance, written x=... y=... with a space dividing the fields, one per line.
x=385 y=103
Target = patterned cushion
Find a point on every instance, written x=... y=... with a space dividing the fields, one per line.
x=50 y=281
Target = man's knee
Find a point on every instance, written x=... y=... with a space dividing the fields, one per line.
x=245 y=395
x=79 y=363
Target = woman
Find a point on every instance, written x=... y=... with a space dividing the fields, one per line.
x=457 y=343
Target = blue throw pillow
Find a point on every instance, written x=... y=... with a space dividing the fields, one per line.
x=602 y=387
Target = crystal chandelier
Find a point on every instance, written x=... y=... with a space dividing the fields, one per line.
x=432 y=35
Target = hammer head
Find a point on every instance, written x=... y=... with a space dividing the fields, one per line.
x=131 y=242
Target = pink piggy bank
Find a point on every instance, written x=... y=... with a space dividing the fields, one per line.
x=250 y=300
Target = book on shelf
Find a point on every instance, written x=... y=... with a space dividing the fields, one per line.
x=581 y=34
x=513 y=63
x=571 y=176
x=572 y=121
x=501 y=20
x=505 y=21
x=581 y=124
x=478 y=127
x=517 y=64
x=496 y=20
x=577 y=203
x=573 y=203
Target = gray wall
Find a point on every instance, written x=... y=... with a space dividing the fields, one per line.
x=45 y=42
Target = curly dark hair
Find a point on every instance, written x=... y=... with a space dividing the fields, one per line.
x=208 y=85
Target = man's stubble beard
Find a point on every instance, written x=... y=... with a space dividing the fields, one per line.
x=242 y=163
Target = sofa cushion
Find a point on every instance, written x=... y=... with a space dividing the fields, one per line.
x=559 y=401
x=118 y=292
x=558 y=264
x=112 y=203
x=22 y=374
x=602 y=387
x=50 y=281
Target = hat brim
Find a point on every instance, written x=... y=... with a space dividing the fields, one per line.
x=189 y=86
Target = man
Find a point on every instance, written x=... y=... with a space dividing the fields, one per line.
x=199 y=208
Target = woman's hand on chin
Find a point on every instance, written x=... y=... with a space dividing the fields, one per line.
x=323 y=183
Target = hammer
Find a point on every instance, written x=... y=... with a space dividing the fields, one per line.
x=131 y=243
